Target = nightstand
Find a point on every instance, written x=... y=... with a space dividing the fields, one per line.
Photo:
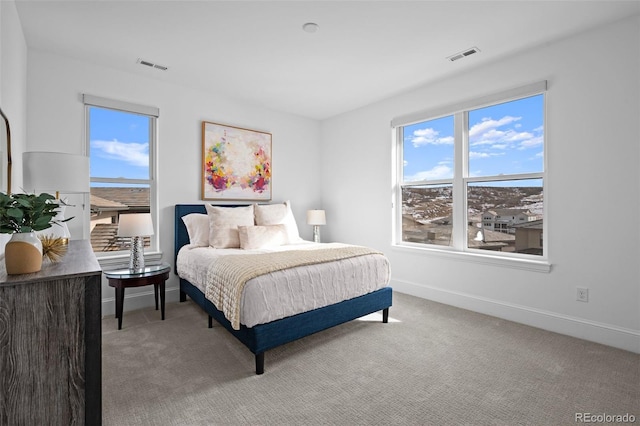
x=121 y=279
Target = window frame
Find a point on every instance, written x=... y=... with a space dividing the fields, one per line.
x=459 y=249
x=151 y=253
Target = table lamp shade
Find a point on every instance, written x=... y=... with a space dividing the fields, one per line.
x=135 y=225
x=55 y=172
x=316 y=217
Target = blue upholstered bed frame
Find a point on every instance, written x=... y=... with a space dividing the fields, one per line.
x=263 y=337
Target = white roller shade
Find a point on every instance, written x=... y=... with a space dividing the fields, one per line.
x=120 y=105
x=518 y=92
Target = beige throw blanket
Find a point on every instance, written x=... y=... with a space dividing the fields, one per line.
x=227 y=275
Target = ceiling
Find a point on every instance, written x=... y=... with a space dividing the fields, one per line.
x=257 y=51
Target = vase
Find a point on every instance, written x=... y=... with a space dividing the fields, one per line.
x=23 y=253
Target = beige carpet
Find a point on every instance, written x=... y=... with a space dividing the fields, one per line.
x=431 y=365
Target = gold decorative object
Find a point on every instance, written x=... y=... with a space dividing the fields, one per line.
x=53 y=247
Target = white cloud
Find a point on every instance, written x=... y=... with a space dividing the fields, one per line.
x=475 y=154
x=440 y=171
x=487 y=124
x=531 y=142
x=135 y=154
x=429 y=136
x=487 y=133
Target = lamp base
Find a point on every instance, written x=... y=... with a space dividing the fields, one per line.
x=316 y=233
x=136 y=258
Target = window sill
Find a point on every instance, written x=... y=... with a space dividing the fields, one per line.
x=507 y=262
x=121 y=260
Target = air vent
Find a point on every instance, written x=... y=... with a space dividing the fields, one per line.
x=463 y=54
x=152 y=65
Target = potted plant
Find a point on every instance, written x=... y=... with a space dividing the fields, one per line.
x=22 y=215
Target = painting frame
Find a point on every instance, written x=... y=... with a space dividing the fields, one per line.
x=236 y=163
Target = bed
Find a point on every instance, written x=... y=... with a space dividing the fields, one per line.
x=259 y=338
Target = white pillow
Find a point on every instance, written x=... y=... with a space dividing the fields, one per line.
x=224 y=222
x=197 y=228
x=278 y=214
x=257 y=237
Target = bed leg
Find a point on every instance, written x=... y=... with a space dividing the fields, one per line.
x=183 y=296
x=260 y=363
x=210 y=321
x=385 y=315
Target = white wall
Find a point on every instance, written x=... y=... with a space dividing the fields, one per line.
x=592 y=189
x=13 y=86
x=56 y=123
x=593 y=149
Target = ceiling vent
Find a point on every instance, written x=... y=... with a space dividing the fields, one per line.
x=463 y=54
x=151 y=64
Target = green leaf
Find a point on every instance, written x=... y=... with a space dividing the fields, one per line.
x=15 y=213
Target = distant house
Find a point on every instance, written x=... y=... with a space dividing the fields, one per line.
x=529 y=237
x=106 y=206
x=503 y=220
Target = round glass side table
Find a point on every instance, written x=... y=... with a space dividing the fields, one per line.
x=124 y=278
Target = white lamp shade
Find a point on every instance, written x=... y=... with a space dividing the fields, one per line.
x=135 y=225
x=316 y=217
x=55 y=171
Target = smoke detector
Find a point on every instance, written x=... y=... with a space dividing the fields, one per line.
x=463 y=54
x=151 y=64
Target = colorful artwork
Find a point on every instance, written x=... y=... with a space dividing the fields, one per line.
x=236 y=163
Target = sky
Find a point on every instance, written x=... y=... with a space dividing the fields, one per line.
x=119 y=144
x=505 y=139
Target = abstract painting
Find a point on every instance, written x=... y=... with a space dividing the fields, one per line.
x=236 y=163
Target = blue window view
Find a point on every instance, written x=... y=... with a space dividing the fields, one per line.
x=119 y=147
x=502 y=148
x=428 y=150
x=507 y=138
x=119 y=144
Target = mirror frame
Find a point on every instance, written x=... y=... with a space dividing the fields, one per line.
x=6 y=122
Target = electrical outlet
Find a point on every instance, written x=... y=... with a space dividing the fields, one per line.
x=582 y=294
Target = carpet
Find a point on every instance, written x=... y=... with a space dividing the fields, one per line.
x=432 y=364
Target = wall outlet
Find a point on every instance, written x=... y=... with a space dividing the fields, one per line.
x=582 y=294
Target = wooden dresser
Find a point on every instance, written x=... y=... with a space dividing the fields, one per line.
x=50 y=342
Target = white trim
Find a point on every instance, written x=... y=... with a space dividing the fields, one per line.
x=477 y=102
x=120 y=105
x=503 y=260
x=606 y=334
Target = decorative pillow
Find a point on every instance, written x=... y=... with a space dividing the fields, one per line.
x=224 y=222
x=257 y=237
x=197 y=228
x=278 y=214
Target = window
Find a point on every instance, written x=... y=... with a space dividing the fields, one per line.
x=470 y=177
x=121 y=141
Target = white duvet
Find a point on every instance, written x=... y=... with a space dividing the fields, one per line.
x=284 y=293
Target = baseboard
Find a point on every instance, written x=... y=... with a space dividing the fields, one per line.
x=139 y=300
x=605 y=334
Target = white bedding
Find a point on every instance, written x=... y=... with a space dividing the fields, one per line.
x=284 y=293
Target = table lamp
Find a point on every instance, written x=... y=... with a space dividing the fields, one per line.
x=316 y=218
x=136 y=226
x=56 y=172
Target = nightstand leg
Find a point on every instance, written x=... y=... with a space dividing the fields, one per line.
x=155 y=293
x=161 y=299
x=119 y=304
